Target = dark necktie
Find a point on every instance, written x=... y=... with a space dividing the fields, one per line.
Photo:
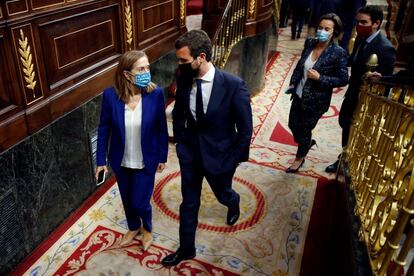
x=199 y=102
x=360 y=49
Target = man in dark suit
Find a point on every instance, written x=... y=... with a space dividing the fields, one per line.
x=369 y=41
x=212 y=124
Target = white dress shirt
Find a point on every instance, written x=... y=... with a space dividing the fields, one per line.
x=133 y=152
x=206 y=87
x=309 y=63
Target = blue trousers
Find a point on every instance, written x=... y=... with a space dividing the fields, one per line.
x=192 y=175
x=136 y=187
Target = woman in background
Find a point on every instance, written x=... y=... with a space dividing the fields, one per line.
x=133 y=120
x=322 y=66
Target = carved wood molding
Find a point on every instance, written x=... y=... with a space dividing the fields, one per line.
x=27 y=62
x=252 y=9
x=23 y=37
x=128 y=25
x=182 y=13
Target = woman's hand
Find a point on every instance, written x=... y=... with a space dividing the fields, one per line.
x=373 y=76
x=160 y=167
x=100 y=168
x=313 y=74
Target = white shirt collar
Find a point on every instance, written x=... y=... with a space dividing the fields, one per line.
x=209 y=76
x=371 y=37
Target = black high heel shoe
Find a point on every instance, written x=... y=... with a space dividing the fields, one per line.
x=290 y=170
x=313 y=143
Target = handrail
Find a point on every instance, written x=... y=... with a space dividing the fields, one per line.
x=229 y=31
x=380 y=158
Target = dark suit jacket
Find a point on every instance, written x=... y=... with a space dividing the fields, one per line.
x=302 y=4
x=224 y=137
x=385 y=51
x=331 y=65
x=154 y=134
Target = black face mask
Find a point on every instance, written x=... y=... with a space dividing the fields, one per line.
x=187 y=71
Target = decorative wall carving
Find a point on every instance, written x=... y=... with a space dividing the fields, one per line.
x=182 y=13
x=252 y=8
x=28 y=63
x=128 y=25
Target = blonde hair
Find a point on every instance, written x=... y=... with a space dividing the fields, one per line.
x=123 y=88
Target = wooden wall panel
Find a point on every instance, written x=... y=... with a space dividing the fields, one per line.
x=157 y=24
x=5 y=95
x=17 y=7
x=259 y=16
x=12 y=130
x=99 y=32
x=42 y=4
x=12 y=118
x=157 y=15
x=58 y=54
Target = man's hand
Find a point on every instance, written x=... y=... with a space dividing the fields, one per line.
x=373 y=76
x=160 y=167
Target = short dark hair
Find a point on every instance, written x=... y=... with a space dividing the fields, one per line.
x=338 y=27
x=197 y=41
x=374 y=12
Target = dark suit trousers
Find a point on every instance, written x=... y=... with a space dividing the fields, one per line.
x=345 y=117
x=301 y=123
x=192 y=175
x=298 y=19
x=135 y=187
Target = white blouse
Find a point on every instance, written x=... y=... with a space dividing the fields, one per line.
x=309 y=63
x=133 y=153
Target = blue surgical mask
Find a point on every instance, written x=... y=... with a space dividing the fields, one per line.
x=322 y=35
x=142 y=80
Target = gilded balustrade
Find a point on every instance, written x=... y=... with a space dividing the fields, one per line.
x=380 y=158
x=229 y=31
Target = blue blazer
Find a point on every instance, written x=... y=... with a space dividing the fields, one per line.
x=224 y=137
x=332 y=67
x=154 y=134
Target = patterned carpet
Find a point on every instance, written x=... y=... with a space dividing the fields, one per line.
x=268 y=239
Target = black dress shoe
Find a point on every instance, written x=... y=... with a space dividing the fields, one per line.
x=177 y=257
x=313 y=142
x=333 y=167
x=233 y=214
x=290 y=170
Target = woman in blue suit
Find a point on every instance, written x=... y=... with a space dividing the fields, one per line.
x=133 y=120
x=322 y=66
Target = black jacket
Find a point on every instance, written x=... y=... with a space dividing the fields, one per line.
x=331 y=65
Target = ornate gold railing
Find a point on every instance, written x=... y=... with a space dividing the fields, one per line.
x=229 y=31
x=380 y=158
x=276 y=11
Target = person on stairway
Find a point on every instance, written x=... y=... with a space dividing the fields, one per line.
x=369 y=41
x=133 y=123
x=300 y=11
x=212 y=125
x=322 y=67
